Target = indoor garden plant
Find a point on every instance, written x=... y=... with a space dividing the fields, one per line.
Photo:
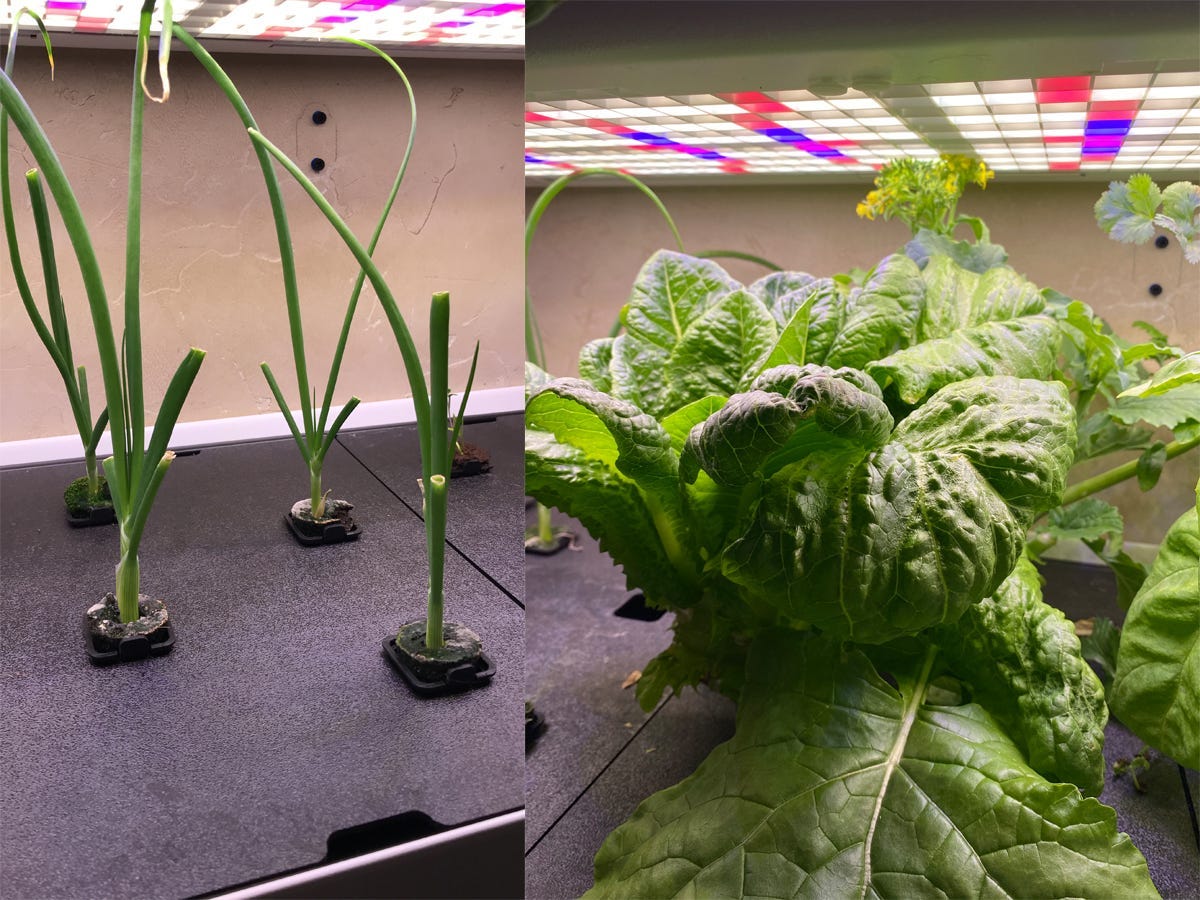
x=831 y=483
x=315 y=520
x=435 y=656
x=126 y=624
x=87 y=498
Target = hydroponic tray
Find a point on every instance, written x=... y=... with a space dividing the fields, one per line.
x=274 y=723
x=481 y=507
x=579 y=653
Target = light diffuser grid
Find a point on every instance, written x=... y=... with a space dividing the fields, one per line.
x=1108 y=122
x=444 y=23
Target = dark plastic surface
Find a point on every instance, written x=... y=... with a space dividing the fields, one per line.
x=97 y=515
x=486 y=521
x=337 y=533
x=272 y=725
x=134 y=648
x=475 y=674
x=600 y=757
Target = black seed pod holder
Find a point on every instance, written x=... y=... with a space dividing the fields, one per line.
x=96 y=515
x=333 y=533
x=433 y=678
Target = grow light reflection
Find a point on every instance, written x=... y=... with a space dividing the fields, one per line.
x=1107 y=122
x=477 y=24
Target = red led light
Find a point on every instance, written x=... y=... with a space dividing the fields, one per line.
x=755 y=102
x=1064 y=166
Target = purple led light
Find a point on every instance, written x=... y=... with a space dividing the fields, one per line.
x=66 y=5
x=367 y=5
x=337 y=20
x=534 y=159
x=497 y=9
x=452 y=24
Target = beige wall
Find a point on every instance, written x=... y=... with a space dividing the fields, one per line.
x=211 y=275
x=592 y=241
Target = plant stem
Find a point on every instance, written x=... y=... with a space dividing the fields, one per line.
x=435 y=518
x=93 y=474
x=128 y=584
x=314 y=486
x=1120 y=473
x=545 y=530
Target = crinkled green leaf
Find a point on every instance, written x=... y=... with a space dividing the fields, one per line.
x=773 y=288
x=1085 y=520
x=672 y=291
x=618 y=435
x=788 y=411
x=732 y=338
x=990 y=324
x=977 y=257
x=1023 y=662
x=1100 y=434
x=872 y=545
x=595 y=360
x=837 y=785
x=1126 y=210
x=852 y=328
x=1157 y=687
x=1180 y=215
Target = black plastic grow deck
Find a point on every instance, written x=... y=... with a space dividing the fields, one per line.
x=598 y=756
x=275 y=724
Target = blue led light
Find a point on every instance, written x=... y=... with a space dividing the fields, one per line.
x=656 y=140
x=783 y=135
x=1108 y=126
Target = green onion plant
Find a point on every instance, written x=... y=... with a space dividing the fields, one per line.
x=135 y=470
x=431 y=396
x=314 y=434
x=56 y=338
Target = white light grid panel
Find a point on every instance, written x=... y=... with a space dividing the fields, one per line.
x=1110 y=123
x=476 y=24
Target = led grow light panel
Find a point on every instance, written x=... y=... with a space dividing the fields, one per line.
x=1111 y=123
x=441 y=23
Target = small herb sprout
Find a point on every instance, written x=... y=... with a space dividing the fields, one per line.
x=1131 y=767
x=431 y=397
x=314 y=434
x=91 y=489
x=1129 y=211
x=134 y=471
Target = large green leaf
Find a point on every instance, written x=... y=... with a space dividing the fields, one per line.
x=771 y=289
x=788 y=412
x=1157 y=687
x=614 y=434
x=853 y=327
x=609 y=505
x=595 y=360
x=990 y=324
x=1085 y=520
x=977 y=257
x=1023 y=662
x=732 y=338
x=874 y=545
x=836 y=784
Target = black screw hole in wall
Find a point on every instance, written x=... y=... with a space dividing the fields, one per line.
x=319 y=117
x=317 y=164
x=1155 y=289
x=1162 y=242
x=636 y=607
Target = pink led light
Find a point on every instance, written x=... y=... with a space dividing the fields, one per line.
x=336 y=20
x=1068 y=166
x=537 y=117
x=275 y=33
x=1064 y=139
x=92 y=24
x=755 y=102
x=1064 y=90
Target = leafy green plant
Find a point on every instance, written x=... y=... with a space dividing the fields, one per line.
x=90 y=490
x=315 y=434
x=1156 y=690
x=830 y=482
x=136 y=469
x=1129 y=212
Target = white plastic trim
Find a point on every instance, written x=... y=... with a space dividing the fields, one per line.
x=483 y=402
x=278 y=887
